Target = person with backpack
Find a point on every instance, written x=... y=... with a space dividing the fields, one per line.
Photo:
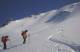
x=4 y=40
x=24 y=35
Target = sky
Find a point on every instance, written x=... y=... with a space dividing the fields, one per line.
x=17 y=9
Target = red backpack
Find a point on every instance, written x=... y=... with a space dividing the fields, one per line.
x=4 y=39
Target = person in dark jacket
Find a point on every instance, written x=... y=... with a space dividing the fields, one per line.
x=4 y=41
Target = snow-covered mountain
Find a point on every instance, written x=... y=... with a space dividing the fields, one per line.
x=52 y=31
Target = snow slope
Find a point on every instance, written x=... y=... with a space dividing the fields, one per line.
x=61 y=24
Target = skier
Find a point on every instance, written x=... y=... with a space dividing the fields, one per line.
x=24 y=35
x=4 y=41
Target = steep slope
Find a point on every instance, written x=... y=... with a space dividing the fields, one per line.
x=70 y=27
x=70 y=32
x=41 y=31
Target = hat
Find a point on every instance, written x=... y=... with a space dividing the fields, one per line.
x=26 y=30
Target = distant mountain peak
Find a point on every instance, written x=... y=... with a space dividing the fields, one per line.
x=71 y=7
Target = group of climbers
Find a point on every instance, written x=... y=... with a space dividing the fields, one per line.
x=5 y=38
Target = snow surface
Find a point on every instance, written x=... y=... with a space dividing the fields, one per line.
x=45 y=36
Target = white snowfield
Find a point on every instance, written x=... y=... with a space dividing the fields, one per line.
x=52 y=31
